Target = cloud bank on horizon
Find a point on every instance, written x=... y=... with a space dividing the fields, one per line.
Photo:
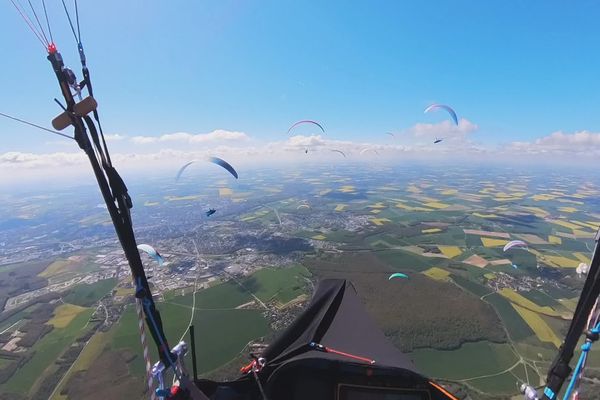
x=415 y=143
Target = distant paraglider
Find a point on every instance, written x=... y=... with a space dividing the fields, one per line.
x=397 y=275
x=151 y=251
x=363 y=151
x=339 y=151
x=215 y=160
x=514 y=243
x=306 y=121
x=391 y=134
x=303 y=206
x=437 y=140
x=443 y=107
x=210 y=212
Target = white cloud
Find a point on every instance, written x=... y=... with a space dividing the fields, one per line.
x=16 y=159
x=580 y=144
x=184 y=137
x=444 y=129
x=114 y=137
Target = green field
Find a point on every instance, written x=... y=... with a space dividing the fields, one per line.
x=470 y=286
x=505 y=383
x=223 y=333
x=517 y=328
x=47 y=350
x=87 y=295
x=282 y=284
x=469 y=361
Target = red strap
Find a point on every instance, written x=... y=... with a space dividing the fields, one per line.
x=341 y=353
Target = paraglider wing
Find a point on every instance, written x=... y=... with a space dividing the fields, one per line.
x=397 y=275
x=224 y=164
x=437 y=140
x=302 y=206
x=363 y=151
x=151 y=251
x=444 y=107
x=514 y=243
x=306 y=121
x=339 y=151
x=391 y=134
x=214 y=160
x=183 y=169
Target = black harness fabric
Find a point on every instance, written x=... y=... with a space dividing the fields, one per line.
x=294 y=370
x=337 y=319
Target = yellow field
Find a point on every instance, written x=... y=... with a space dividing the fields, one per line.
x=340 y=207
x=319 y=237
x=409 y=208
x=431 y=230
x=437 y=274
x=538 y=325
x=225 y=192
x=413 y=189
x=378 y=205
x=554 y=239
x=516 y=298
x=485 y=215
x=56 y=268
x=437 y=205
x=449 y=192
x=590 y=225
x=568 y=209
x=543 y=197
x=561 y=262
x=151 y=203
x=122 y=291
x=583 y=258
x=347 y=189
x=570 y=304
x=489 y=242
x=565 y=224
x=379 y=221
x=64 y=314
x=324 y=192
x=450 y=251
x=375 y=211
x=489 y=275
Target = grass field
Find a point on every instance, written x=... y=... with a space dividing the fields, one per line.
x=437 y=273
x=281 y=284
x=523 y=302
x=87 y=295
x=47 y=350
x=64 y=314
x=538 y=325
x=470 y=286
x=86 y=358
x=469 y=361
x=222 y=296
x=505 y=384
x=514 y=323
x=222 y=333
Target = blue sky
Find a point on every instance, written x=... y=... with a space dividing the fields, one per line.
x=519 y=70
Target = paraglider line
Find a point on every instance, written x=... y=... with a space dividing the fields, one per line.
x=70 y=21
x=36 y=126
x=38 y=21
x=47 y=21
x=29 y=23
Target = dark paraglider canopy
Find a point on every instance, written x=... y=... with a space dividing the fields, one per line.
x=333 y=350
